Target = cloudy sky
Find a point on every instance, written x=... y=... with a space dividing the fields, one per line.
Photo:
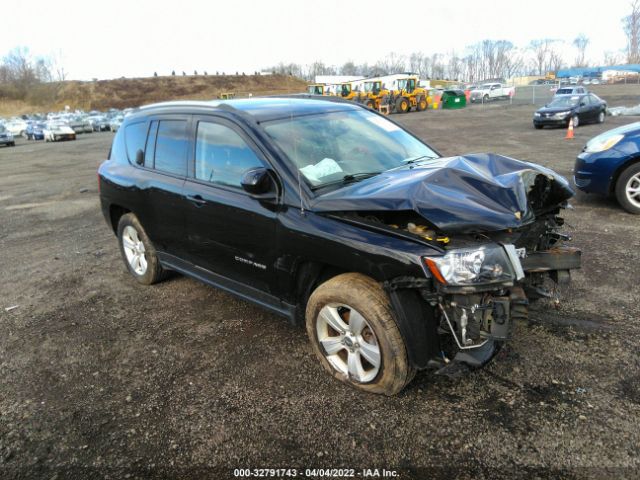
x=137 y=37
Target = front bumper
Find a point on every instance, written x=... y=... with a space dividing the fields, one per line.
x=594 y=172
x=550 y=121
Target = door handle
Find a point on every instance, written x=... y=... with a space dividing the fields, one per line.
x=197 y=200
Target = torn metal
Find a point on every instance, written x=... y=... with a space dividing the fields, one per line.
x=463 y=194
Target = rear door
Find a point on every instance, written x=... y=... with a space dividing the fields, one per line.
x=230 y=234
x=161 y=178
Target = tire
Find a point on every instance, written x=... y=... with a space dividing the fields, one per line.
x=629 y=179
x=485 y=99
x=601 y=116
x=576 y=121
x=402 y=105
x=538 y=127
x=371 y=104
x=12 y=144
x=334 y=303
x=139 y=256
x=421 y=104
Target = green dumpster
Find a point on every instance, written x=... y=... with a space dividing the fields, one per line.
x=453 y=99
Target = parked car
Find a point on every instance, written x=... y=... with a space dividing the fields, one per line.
x=57 y=130
x=379 y=247
x=80 y=124
x=115 y=122
x=16 y=126
x=608 y=165
x=570 y=91
x=581 y=108
x=491 y=91
x=100 y=124
x=6 y=137
x=35 y=131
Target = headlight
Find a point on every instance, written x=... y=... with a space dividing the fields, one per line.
x=472 y=266
x=602 y=143
x=562 y=114
x=537 y=114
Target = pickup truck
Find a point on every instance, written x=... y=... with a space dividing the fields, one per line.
x=491 y=91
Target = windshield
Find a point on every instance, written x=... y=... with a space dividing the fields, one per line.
x=328 y=147
x=564 y=102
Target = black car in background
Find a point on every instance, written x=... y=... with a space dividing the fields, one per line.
x=334 y=216
x=586 y=108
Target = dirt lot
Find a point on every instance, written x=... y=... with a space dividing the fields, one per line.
x=101 y=377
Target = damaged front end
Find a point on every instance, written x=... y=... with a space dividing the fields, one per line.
x=496 y=244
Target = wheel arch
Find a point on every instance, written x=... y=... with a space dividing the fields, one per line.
x=115 y=213
x=618 y=171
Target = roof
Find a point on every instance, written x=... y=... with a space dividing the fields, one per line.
x=262 y=108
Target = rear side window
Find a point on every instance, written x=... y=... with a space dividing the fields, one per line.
x=222 y=156
x=171 y=147
x=135 y=137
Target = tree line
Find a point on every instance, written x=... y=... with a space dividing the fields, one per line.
x=483 y=60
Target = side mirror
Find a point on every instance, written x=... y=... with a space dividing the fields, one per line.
x=582 y=104
x=139 y=157
x=258 y=183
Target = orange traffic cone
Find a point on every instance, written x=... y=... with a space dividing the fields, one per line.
x=569 y=130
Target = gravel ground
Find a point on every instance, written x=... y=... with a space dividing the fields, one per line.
x=101 y=377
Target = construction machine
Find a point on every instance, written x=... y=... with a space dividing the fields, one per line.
x=373 y=93
x=317 y=89
x=405 y=93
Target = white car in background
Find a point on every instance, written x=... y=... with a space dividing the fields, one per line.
x=16 y=126
x=57 y=130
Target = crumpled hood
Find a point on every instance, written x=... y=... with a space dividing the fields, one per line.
x=463 y=194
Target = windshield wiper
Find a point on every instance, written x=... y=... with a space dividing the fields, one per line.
x=410 y=160
x=351 y=177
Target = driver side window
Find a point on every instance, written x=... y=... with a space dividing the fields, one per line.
x=222 y=155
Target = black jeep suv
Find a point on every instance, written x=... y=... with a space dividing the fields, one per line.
x=335 y=216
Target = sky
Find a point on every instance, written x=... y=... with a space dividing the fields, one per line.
x=138 y=37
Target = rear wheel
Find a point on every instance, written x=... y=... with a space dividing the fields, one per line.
x=601 y=116
x=138 y=252
x=354 y=335
x=628 y=189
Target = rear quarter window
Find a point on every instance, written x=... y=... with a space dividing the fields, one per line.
x=135 y=138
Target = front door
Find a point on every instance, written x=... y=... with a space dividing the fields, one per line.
x=229 y=233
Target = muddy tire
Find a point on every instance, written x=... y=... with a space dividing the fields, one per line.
x=628 y=189
x=138 y=252
x=354 y=335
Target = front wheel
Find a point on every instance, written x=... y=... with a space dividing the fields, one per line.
x=138 y=252
x=422 y=104
x=576 y=121
x=537 y=127
x=402 y=105
x=628 y=189
x=354 y=335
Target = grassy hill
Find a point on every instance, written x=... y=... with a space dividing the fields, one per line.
x=132 y=92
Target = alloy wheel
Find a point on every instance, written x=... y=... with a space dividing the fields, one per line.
x=348 y=342
x=134 y=250
x=632 y=190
